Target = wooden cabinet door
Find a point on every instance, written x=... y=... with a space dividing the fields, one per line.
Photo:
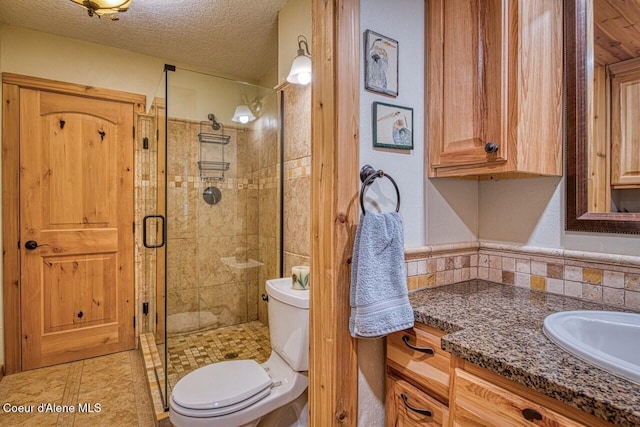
x=625 y=132
x=466 y=94
x=480 y=403
x=406 y=406
x=76 y=205
x=427 y=369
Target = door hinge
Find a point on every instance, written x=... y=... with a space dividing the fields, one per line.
x=134 y=132
x=134 y=322
x=157 y=134
x=134 y=227
x=18 y=244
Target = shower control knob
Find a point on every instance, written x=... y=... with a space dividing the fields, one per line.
x=265 y=297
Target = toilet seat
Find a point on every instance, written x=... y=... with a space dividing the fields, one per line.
x=238 y=384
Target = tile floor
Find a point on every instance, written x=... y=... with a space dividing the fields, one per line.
x=193 y=350
x=189 y=352
x=116 y=382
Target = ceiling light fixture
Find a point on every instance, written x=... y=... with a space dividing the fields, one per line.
x=301 y=66
x=106 y=8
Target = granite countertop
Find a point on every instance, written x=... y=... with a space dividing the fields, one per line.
x=499 y=327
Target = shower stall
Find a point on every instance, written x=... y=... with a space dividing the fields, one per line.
x=209 y=203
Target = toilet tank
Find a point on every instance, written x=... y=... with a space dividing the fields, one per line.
x=289 y=322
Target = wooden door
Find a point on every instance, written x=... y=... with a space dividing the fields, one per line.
x=465 y=87
x=76 y=204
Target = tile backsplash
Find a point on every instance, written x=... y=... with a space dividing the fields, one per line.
x=611 y=279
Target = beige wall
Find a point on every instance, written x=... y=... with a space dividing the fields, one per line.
x=48 y=56
x=294 y=19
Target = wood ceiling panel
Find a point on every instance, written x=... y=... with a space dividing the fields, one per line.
x=616 y=30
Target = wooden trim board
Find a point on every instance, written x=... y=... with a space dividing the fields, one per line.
x=333 y=370
x=72 y=88
x=11 y=225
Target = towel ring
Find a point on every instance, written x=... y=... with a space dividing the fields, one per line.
x=367 y=175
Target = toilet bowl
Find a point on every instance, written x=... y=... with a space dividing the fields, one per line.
x=243 y=393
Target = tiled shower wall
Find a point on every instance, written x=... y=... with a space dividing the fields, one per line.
x=217 y=254
x=297 y=176
x=610 y=279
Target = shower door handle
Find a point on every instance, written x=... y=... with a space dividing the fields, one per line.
x=144 y=231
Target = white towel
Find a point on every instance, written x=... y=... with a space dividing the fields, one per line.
x=379 y=297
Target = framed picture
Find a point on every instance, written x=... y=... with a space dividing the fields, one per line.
x=392 y=126
x=380 y=64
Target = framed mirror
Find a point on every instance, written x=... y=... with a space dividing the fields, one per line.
x=602 y=122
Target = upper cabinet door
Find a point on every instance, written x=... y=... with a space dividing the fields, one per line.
x=625 y=132
x=465 y=59
x=494 y=98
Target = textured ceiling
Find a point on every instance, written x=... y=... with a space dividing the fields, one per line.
x=237 y=37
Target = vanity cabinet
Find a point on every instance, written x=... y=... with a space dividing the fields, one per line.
x=494 y=90
x=425 y=388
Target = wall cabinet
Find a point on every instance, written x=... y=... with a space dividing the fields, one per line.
x=494 y=97
x=426 y=386
x=625 y=133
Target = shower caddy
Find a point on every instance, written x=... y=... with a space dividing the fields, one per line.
x=212 y=169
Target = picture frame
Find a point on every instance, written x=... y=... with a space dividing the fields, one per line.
x=392 y=126
x=380 y=64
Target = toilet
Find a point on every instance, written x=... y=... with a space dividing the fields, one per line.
x=244 y=393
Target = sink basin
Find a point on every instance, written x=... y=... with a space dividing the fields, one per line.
x=607 y=339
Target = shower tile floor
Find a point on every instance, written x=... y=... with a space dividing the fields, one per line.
x=188 y=352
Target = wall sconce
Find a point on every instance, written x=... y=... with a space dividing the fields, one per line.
x=300 y=73
x=106 y=8
x=246 y=111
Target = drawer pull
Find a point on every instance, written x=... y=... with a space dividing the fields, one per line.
x=425 y=412
x=531 y=414
x=427 y=350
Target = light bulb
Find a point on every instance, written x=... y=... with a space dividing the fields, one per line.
x=243 y=119
x=304 y=78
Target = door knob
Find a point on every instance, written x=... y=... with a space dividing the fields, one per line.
x=32 y=244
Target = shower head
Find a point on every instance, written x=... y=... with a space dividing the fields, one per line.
x=214 y=124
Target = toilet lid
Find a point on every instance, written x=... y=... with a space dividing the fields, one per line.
x=221 y=384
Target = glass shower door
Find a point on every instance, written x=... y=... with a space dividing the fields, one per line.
x=222 y=220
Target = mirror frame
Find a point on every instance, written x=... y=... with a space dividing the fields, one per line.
x=577 y=216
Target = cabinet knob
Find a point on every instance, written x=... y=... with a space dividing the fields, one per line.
x=491 y=147
x=531 y=414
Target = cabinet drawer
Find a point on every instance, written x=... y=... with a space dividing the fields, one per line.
x=426 y=369
x=481 y=403
x=413 y=408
